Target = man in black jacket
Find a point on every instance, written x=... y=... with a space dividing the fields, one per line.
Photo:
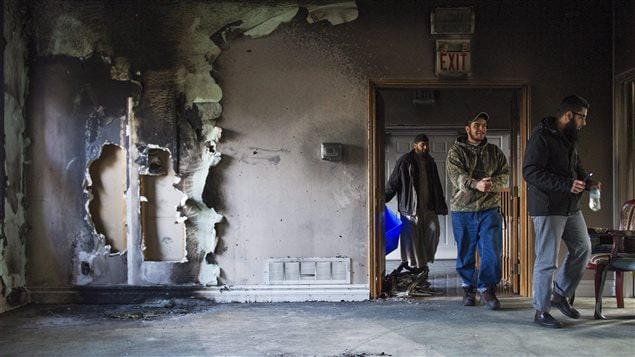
x=415 y=181
x=556 y=181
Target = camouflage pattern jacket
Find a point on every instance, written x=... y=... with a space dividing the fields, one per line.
x=467 y=164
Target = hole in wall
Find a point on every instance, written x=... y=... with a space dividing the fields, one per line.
x=163 y=227
x=108 y=204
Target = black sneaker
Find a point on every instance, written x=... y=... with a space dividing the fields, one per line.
x=489 y=299
x=469 y=296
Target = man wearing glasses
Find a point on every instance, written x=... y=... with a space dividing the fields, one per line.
x=556 y=181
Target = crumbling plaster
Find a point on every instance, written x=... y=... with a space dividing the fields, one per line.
x=166 y=63
x=13 y=226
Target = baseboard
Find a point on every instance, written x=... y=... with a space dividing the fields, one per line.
x=247 y=293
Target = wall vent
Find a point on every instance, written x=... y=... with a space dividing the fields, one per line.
x=308 y=270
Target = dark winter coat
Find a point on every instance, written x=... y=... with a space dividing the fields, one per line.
x=403 y=182
x=550 y=166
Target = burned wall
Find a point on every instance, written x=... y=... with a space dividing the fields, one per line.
x=90 y=57
x=13 y=225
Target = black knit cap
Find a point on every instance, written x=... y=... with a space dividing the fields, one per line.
x=421 y=137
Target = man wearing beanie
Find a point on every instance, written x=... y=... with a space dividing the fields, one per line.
x=415 y=181
x=477 y=170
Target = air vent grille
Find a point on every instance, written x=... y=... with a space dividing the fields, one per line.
x=308 y=270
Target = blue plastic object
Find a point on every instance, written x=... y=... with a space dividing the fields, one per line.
x=392 y=229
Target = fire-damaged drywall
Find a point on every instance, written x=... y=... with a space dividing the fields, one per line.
x=269 y=194
x=13 y=226
x=92 y=58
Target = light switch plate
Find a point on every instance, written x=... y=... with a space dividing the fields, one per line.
x=332 y=151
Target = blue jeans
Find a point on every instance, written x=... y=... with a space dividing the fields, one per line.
x=550 y=230
x=482 y=230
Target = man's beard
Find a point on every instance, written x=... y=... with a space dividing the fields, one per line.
x=474 y=138
x=571 y=131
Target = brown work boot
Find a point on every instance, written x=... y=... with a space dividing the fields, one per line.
x=469 y=296
x=489 y=299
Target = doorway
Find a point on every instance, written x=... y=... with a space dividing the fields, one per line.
x=399 y=108
x=398 y=141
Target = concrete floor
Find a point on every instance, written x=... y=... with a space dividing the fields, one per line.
x=428 y=326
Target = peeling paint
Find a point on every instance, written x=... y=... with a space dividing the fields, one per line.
x=209 y=274
x=13 y=227
x=336 y=13
x=177 y=110
x=266 y=27
x=201 y=88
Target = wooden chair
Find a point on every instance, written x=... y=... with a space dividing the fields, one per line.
x=613 y=250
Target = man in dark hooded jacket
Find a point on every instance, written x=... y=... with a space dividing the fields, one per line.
x=556 y=181
x=415 y=181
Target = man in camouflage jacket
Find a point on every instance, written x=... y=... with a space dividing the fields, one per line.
x=477 y=170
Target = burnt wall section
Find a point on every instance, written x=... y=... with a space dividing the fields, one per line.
x=90 y=56
x=75 y=108
x=13 y=226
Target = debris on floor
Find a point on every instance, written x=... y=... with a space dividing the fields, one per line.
x=407 y=281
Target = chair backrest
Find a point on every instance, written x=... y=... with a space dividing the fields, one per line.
x=627 y=223
x=627 y=218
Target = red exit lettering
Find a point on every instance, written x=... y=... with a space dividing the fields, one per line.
x=452 y=61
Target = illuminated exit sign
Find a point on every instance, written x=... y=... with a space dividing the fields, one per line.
x=453 y=58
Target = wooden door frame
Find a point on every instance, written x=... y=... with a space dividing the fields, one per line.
x=519 y=135
x=623 y=129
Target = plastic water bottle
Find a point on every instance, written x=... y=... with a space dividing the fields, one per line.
x=594 y=199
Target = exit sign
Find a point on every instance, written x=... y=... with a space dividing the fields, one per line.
x=453 y=58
